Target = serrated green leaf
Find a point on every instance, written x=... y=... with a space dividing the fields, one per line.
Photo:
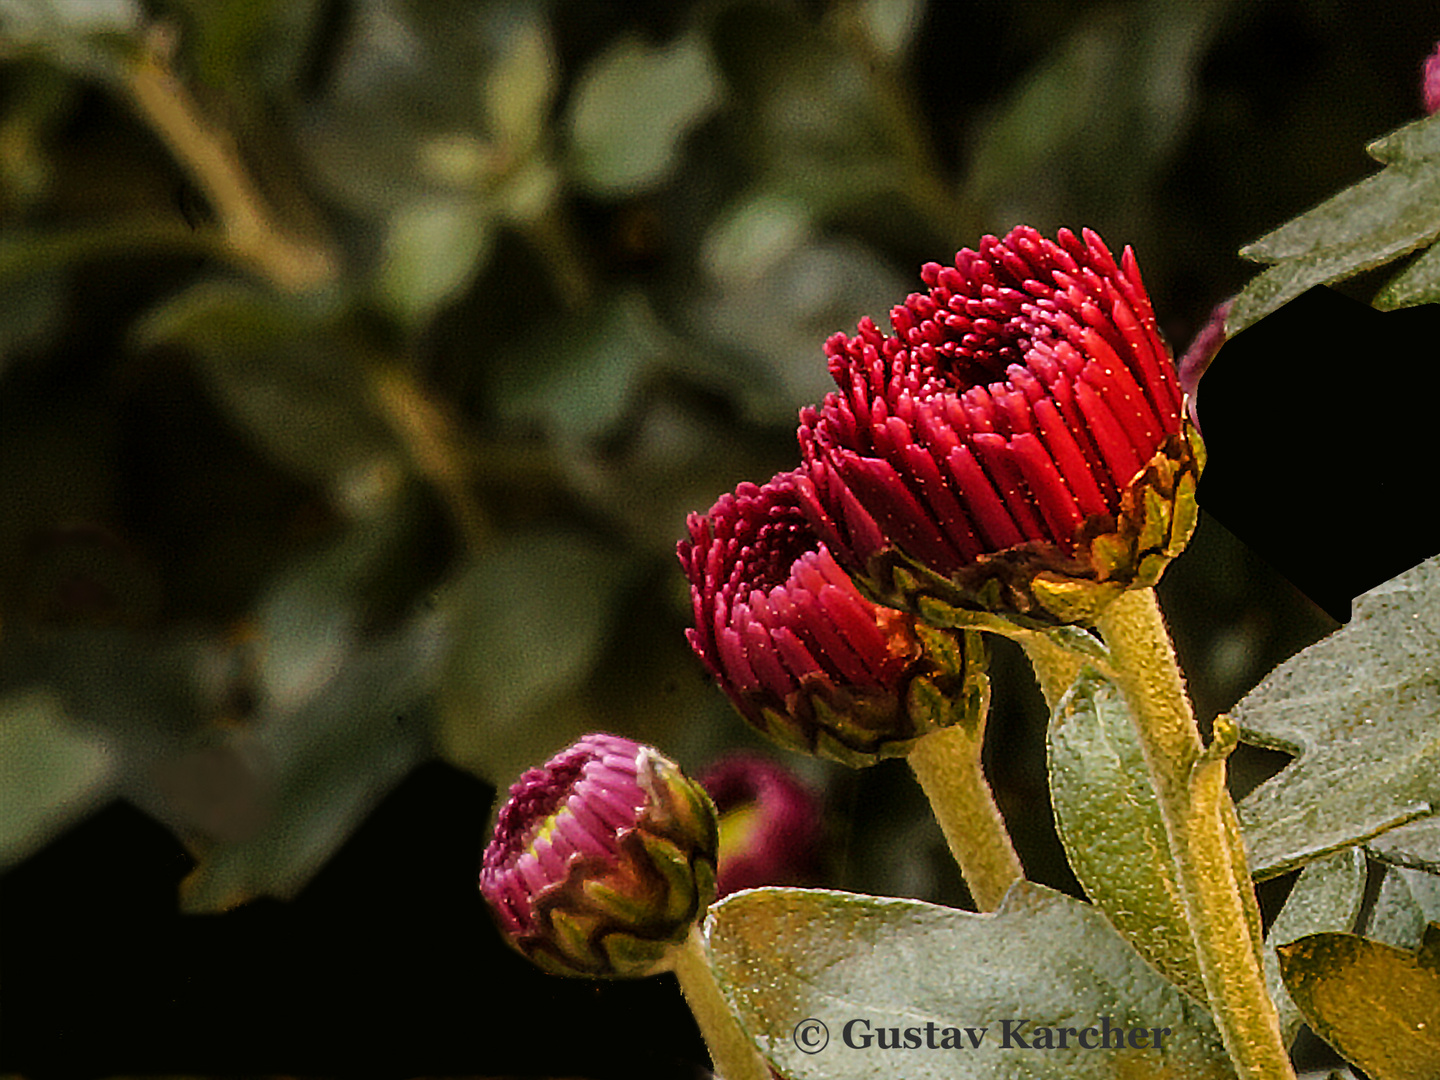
x=1416 y=844
x=51 y=773
x=1366 y=226
x=785 y=955
x=1110 y=824
x=1418 y=283
x=1344 y=219
x=1409 y=900
x=1379 y=1006
x=632 y=109
x=1326 y=897
x=1416 y=141
x=1360 y=708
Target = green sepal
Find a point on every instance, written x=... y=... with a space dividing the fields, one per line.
x=636 y=955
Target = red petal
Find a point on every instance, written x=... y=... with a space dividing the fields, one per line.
x=1068 y=459
x=1118 y=390
x=1110 y=440
x=1153 y=362
x=1056 y=503
x=936 y=494
x=987 y=509
x=901 y=517
x=1006 y=478
x=760 y=651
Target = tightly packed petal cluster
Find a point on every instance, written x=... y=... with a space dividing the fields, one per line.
x=1023 y=422
x=602 y=860
x=803 y=655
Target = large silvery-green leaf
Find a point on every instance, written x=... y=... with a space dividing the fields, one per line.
x=1110 y=824
x=1360 y=708
x=1416 y=845
x=1381 y=218
x=784 y=956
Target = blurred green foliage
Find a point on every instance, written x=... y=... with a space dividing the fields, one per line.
x=360 y=359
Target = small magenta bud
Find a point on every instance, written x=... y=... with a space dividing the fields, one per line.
x=602 y=860
x=1017 y=446
x=770 y=823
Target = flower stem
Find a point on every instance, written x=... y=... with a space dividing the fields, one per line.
x=731 y=1051
x=1055 y=667
x=1189 y=782
x=947 y=764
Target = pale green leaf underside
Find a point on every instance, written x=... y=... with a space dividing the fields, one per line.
x=1111 y=827
x=632 y=108
x=51 y=772
x=1360 y=710
x=785 y=955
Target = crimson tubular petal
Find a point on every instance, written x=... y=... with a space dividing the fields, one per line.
x=1018 y=444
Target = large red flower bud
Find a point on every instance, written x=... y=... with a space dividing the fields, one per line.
x=1018 y=445
x=805 y=658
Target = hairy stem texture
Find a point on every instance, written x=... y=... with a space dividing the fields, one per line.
x=1190 y=785
x=947 y=764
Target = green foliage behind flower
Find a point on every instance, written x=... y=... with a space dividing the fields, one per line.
x=359 y=363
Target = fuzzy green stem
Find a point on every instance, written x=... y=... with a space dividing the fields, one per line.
x=947 y=764
x=1055 y=666
x=731 y=1051
x=1189 y=783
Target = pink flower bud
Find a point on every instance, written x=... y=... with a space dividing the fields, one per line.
x=602 y=861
